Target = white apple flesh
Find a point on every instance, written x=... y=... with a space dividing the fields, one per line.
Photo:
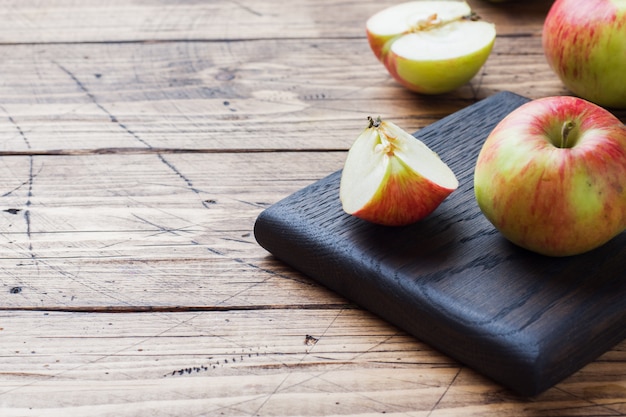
x=551 y=176
x=392 y=178
x=430 y=47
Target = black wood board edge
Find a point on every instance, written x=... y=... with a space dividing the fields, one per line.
x=525 y=320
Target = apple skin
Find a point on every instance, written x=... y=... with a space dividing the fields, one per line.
x=403 y=199
x=584 y=42
x=557 y=201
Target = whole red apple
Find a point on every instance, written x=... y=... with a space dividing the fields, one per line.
x=551 y=176
x=585 y=44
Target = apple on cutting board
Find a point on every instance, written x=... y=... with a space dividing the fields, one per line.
x=584 y=42
x=430 y=47
x=392 y=178
x=551 y=176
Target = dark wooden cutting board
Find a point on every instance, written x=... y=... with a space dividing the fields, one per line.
x=525 y=320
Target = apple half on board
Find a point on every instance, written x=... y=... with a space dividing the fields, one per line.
x=430 y=47
x=391 y=178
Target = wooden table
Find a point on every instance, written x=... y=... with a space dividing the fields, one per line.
x=140 y=141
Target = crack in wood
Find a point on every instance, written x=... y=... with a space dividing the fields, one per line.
x=164 y=229
x=179 y=309
x=132 y=133
x=93 y=99
x=29 y=182
x=160 y=150
x=246 y=8
x=272 y=273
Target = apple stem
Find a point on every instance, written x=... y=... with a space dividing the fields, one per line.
x=567 y=127
x=373 y=123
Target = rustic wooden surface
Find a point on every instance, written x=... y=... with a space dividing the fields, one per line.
x=140 y=140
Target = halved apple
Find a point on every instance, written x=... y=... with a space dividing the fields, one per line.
x=392 y=178
x=431 y=47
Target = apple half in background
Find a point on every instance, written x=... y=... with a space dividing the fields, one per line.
x=392 y=178
x=430 y=47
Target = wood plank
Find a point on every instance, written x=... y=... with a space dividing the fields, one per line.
x=288 y=94
x=59 y=364
x=65 y=21
x=73 y=229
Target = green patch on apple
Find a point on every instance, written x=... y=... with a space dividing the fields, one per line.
x=430 y=47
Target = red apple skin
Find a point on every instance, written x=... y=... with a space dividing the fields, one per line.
x=407 y=199
x=379 y=43
x=551 y=200
x=584 y=42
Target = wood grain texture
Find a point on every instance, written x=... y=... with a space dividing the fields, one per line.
x=63 y=21
x=319 y=362
x=139 y=141
x=255 y=94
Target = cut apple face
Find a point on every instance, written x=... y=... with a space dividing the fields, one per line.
x=431 y=47
x=392 y=178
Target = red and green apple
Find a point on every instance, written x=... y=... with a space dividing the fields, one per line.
x=551 y=176
x=585 y=44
